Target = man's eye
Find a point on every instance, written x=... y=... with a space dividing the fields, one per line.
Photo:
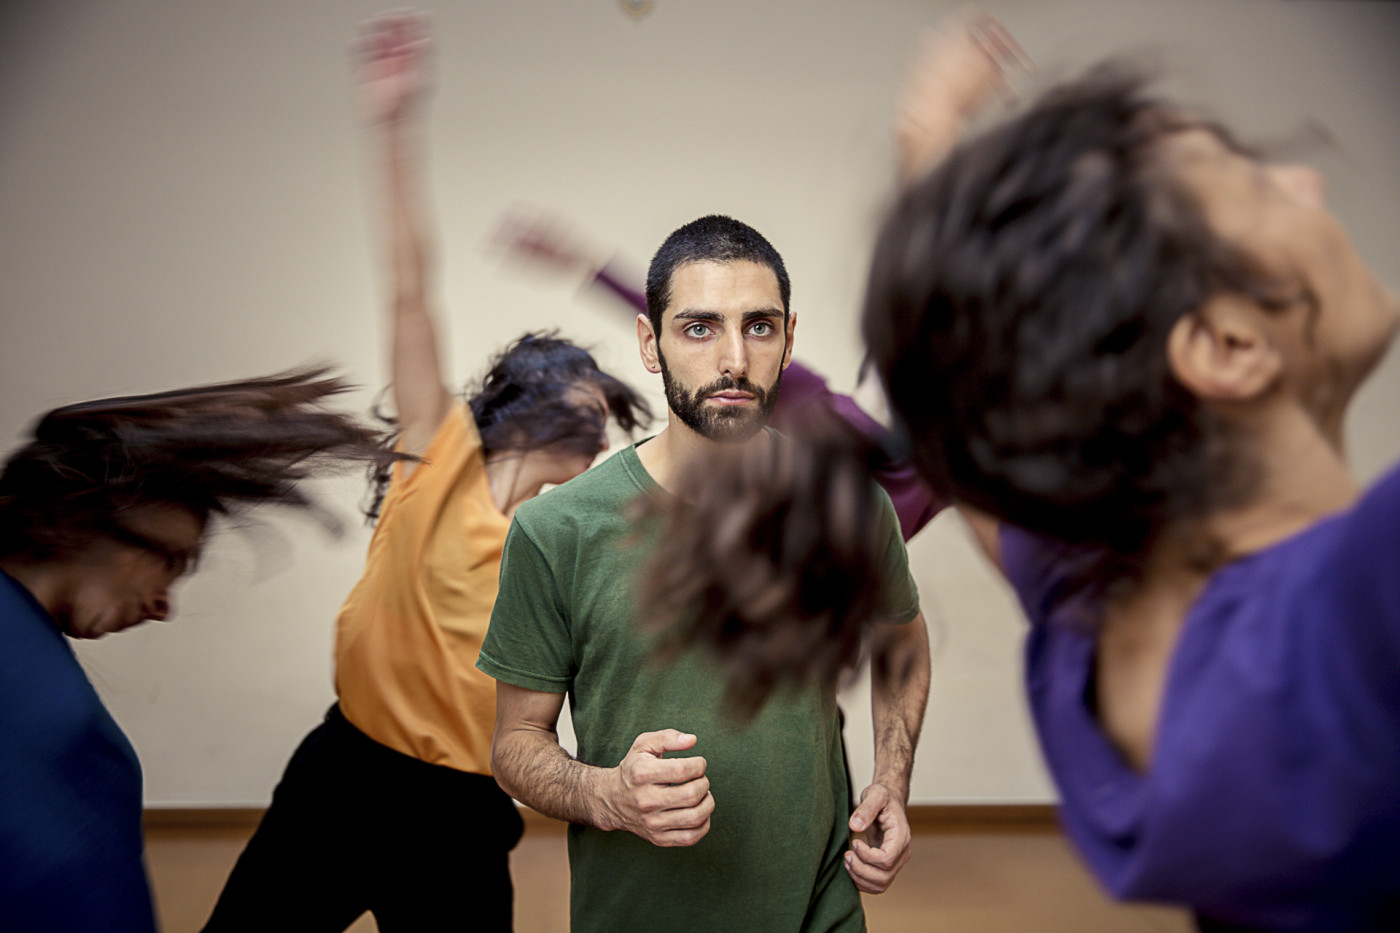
x=696 y=330
x=761 y=329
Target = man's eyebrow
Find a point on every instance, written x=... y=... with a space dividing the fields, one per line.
x=698 y=314
x=761 y=314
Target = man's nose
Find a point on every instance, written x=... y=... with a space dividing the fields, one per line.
x=735 y=356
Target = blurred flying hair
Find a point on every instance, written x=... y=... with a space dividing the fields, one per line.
x=714 y=238
x=523 y=404
x=1018 y=309
x=774 y=562
x=208 y=449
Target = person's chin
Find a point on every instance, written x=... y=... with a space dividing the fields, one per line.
x=736 y=430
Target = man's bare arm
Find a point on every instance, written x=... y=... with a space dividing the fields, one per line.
x=666 y=801
x=899 y=681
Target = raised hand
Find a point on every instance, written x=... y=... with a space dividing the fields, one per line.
x=960 y=65
x=391 y=56
x=666 y=801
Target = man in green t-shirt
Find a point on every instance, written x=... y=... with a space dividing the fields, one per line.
x=682 y=816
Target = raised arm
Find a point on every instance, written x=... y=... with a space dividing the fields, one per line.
x=546 y=241
x=961 y=64
x=899 y=682
x=392 y=54
x=666 y=801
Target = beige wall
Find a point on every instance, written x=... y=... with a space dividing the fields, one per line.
x=184 y=200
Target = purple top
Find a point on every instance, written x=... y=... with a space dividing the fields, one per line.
x=1273 y=797
x=805 y=400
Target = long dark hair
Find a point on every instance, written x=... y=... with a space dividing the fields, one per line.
x=523 y=403
x=207 y=449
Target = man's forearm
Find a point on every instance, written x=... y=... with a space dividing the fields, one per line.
x=899 y=682
x=533 y=768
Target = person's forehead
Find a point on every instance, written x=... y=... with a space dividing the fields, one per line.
x=741 y=285
x=177 y=528
x=1223 y=178
x=1198 y=143
x=587 y=393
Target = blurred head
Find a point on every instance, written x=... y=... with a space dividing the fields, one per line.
x=718 y=327
x=773 y=561
x=1078 y=314
x=544 y=396
x=124 y=576
x=109 y=501
x=545 y=392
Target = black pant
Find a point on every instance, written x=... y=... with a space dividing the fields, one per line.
x=357 y=826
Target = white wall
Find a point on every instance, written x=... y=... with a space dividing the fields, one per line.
x=183 y=200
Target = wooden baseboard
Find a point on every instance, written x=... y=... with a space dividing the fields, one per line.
x=955 y=817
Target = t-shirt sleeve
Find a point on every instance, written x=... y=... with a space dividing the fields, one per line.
x=1040 y=573
x=528 y=643
x=1363 y=577
x=901 y=593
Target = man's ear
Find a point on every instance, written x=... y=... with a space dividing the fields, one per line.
x=1225 y=350
x=646 y=343
x=790 y=328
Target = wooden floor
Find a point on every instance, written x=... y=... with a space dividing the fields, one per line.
x=962 y=877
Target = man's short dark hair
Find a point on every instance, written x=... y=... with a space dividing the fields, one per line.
x=714 y=238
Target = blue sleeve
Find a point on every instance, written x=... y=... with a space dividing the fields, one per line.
x=1363 y=576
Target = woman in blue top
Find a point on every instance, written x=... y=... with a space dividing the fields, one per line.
x=101 y=513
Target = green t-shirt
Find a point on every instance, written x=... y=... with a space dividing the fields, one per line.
x=563 y=623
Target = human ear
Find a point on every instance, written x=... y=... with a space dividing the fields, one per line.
x=790 y=329
x=1224 y=350
x=646 y=344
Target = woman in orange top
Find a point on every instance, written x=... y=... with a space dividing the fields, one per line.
x=389 y=806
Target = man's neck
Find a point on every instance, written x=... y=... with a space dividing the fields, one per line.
x=668 y=455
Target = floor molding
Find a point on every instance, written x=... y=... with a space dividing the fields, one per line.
x=1009 y=817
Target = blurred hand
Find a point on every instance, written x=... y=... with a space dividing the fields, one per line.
x=960 y=65
x=544 y=239
x=391 y=56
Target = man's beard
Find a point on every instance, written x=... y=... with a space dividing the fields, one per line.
x=723 y=423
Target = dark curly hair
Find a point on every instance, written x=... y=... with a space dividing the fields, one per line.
x=208 y=449
x=522 y=403
x=1018 y=309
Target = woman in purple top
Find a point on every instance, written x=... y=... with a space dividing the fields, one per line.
x=1112 y=330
